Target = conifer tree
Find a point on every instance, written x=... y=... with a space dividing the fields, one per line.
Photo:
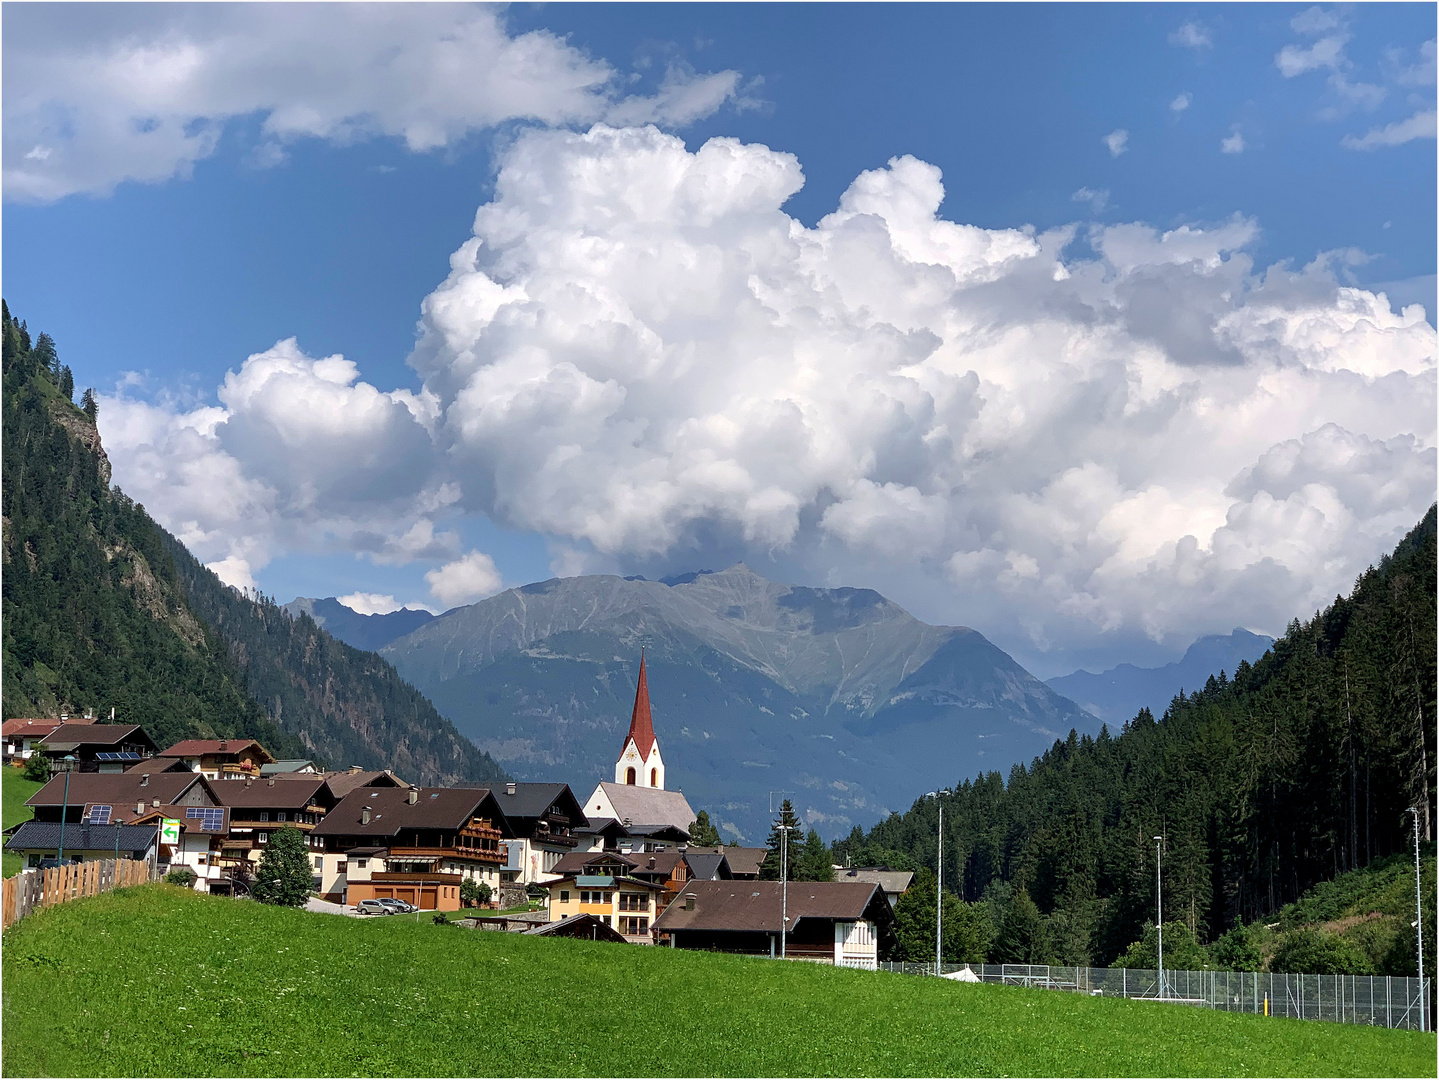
x=785 y=831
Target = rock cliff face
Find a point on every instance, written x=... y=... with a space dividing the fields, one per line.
x=836 y=695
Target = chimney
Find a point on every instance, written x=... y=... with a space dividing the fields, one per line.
x=145 y=779
x=224 y=744
x=414 y=796
x=139 y=808
x=510 y=788
x=689 y=901
x=652 y=862
x=155 y=802
x=365 y=815
x=272 y=782
x=247 y=780
x=355 y=768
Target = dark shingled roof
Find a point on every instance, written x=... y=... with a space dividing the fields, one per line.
x=391 y=811
x=585 y=927
x=200 y=747
x=757 y=905
x=745 y=860
x=294 y=790
x=120 y=790
x=704 y=865
x=67 y=735
x=44 y=835
x=342 y=783
x=533 y=800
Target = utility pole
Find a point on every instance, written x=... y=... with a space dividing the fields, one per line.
x=1159 y=906
x=783 y=887
x=1419 y=919
x=939 y=894
x=64 y=809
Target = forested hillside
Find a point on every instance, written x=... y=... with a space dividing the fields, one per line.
x=104 y=609
x=1294 y=770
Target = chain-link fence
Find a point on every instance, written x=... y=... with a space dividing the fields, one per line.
x=1377 y=1000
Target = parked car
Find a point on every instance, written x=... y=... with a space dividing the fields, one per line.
x=399 y=907
x=371 y=907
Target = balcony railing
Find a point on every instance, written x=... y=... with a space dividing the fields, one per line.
x=460 y=853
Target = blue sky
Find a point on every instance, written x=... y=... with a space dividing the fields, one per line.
x=1311 y=127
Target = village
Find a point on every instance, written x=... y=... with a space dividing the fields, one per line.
x=527 y=857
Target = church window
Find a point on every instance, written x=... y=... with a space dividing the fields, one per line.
x=630 y=775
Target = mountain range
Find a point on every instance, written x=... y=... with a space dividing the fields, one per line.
x=837 y=696
x=1116 y=695
x=369 y=632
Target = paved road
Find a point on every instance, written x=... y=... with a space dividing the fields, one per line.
x=324 y=907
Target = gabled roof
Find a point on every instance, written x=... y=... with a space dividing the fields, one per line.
x=744 y=861
x=706 y=865
x=20 y=726
x=391 y=811
x=292 y=791
x=649 y=806
x=119 y=790
x=201 y=747
x=577 y=862
x=641 y=728
x=345 y=781
x=891 y=881
x=604 y=881
x=531 y=801
x=586 y=927
x=758 y=905
x=286 y=765
x=82 y=837
x=70 y=735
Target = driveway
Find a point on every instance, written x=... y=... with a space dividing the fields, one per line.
x=324 y=907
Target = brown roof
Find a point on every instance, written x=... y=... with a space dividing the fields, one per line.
x=20 y=726
x=199 y=747
x=346 y=781
x=743 y=860
x=284 y=793
x=391 y=811
x=757 y=905
x=119 y=790
x=575 y=862
x=96 y=734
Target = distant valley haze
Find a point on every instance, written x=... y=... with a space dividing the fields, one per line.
x=837 y=695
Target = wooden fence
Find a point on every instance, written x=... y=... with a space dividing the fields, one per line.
x=44 y=888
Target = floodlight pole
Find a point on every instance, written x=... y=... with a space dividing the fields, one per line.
x=64 y=810
x=1159 y=905
x=783 y=886
x=939 y=893
x=1419 y=918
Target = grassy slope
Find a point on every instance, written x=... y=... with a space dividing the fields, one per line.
x=15 y=789
x=232 y=988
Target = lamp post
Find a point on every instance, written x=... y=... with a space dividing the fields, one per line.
x=1159 y=905
x=64 y=810
x=783 y=885
x=939 y=889
x=1419 y=918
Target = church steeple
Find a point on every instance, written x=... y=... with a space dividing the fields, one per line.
x=642 y=729
x=640 y=762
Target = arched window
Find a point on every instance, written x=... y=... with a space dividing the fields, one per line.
x=654 y=778
x=630 y=775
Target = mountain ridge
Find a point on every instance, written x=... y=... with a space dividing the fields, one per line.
x=840 y=691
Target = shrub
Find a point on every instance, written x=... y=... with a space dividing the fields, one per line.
x=181 y=875
x=1313 y=952
x=37 y=767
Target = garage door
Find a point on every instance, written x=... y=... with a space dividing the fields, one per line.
x=428 y=901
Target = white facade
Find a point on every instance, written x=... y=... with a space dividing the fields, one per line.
x=639 y=771
x=856 y=945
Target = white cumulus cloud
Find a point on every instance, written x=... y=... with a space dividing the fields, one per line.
x=1052 y=435
x=1233 y=143
x=1192 y=35
x=1117 y=141
x=1181 y=102
x=1419 y=126
x=467 y=579
x=366 y=603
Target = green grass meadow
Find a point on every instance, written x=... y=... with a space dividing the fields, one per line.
x=14 y=790
x=159 y=981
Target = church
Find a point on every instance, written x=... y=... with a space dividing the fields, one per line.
x=637 y=799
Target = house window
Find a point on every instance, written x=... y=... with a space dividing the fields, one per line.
x=263 y=837
x=201 y=860
x=340 y=866
x=608 y=897
x=264 y=815
x=319 y=862
x=564 y=896
x=360 y=864
x=280 y=816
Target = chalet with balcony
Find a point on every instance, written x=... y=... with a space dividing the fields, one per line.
x=221 y=759
x=628 y=904
x=417 y=844
x=103 y=748
x=259 y=807
x=541 y=820
x=671 y=870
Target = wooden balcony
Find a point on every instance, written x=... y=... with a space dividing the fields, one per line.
x=463 y=854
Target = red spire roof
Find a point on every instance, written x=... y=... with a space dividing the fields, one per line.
x=641 y=730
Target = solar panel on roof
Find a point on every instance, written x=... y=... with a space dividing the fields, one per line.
x=111 y=755
x=211 y=818
x=100 y=815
